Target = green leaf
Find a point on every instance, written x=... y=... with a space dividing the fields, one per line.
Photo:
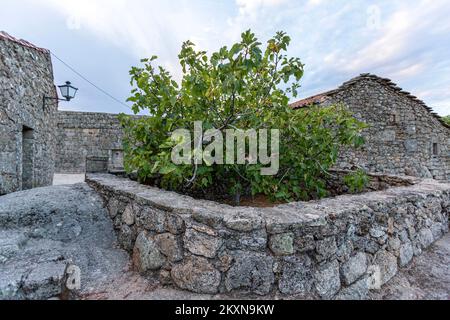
x=248 y=86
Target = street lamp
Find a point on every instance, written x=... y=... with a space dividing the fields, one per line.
x=67 y=91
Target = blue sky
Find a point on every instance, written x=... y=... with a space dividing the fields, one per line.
x=407 y=41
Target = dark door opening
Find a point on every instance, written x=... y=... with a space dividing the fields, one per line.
x=27 y=158
x=435 y=149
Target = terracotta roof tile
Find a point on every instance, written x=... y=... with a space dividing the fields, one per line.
x=4 y=35
x=319 y=98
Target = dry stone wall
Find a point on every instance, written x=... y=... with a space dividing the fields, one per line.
x=83 y=135
x=335 y=248
x=27 y=128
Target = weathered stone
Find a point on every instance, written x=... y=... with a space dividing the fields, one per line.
x=251 y=271
x=445 y=226
x=282 y=244
x=403 y=235
x=146 y=254
x=196 y=274
x=165 y=277
x=406 y=254
x=357 y=291
x=305 y=243
x=411 y=231
x=153 y=219
x=46 y=280
x=225 y=261
x=128 y=215
x=344 y=250
x=325 y=248
x=170 y=246
x=254 y=240
x=243 y=221
x=425 y=237
x=126 y=237
x=391 y=226
x=367 y=245
x=387 y=264
x=394 y=244
x=115 y=207
x=327 y=281
x=208 y=217
x=175 y=224
x=11 y=244
x=436 y=230
x=387 y=135
x=296 y=277
x=411 y=146
x=417 y=248
x=10 y=284
x=354 y=268
x=377 y=232
x=202 y=244
x=45 y=246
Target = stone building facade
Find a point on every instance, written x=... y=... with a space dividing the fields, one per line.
x=27 y=128
x=84 y=137
x=404 y=136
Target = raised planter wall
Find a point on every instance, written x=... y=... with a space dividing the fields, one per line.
x=335 y=248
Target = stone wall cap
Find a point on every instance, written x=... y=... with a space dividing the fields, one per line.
x=276 y=219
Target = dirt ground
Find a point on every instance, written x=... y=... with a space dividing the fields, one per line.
x=65 y=179
x=426 y=278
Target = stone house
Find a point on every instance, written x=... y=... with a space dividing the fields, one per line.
x=404 y=136
x=37 y=141
x=27 y=128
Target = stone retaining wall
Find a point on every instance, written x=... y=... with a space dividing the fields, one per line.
x=335 y=248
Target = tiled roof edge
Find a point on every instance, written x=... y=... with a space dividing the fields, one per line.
x=5 y=35
x=367 y=76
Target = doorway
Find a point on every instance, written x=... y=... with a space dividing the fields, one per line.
x=27 y=158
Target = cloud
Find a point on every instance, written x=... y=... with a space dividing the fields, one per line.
x=140 y=27
x=404 y=32
x=315 y=2
x=408 y=42
x=251 y=7
x=409 y=71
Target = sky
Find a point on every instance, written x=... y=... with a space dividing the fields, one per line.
x=407 y=41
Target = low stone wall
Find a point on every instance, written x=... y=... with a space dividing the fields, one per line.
x=335 y=248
